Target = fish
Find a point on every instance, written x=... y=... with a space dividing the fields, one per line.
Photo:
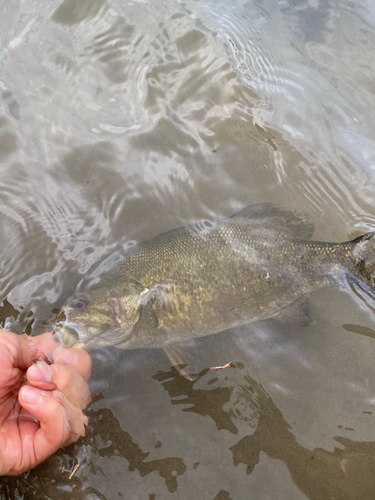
x=209 y=277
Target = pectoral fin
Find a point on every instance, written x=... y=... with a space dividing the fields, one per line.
x=149 y=318
x=133 y=309
x=149 y=299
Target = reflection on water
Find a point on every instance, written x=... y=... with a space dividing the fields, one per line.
x=237 y=399
x=54 y=480
x=236 y=403
x=120 y=121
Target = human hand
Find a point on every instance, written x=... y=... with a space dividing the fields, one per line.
x=44 y=415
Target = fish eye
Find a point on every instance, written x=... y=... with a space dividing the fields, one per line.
x=80 y=304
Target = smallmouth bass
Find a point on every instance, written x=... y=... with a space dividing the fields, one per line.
x=212 y=276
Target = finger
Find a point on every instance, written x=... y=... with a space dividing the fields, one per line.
x=14 y=348
x=64 y=378
x=61 y=423
x=77 y=359
x=21 y=350
x=42 y=346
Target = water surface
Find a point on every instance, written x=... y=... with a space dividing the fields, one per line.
x=120 y=121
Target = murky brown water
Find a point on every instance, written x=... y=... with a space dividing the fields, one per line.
x=122 y=120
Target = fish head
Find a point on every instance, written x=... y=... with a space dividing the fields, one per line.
x=99 y=316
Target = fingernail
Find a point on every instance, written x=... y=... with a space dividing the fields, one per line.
x=31 y=395
x=66 y=356
x=40 y=372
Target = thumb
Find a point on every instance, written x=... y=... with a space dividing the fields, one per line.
x=61 y=423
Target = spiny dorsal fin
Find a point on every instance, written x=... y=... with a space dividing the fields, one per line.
x=281 y=219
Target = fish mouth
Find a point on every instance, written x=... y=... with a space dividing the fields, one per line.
x=68 y=334
x=60 y=317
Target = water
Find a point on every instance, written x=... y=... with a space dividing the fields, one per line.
x=119 y=121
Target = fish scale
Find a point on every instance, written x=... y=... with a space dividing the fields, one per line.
x=212 y=276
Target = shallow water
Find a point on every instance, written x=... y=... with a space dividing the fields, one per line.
x=119 y=121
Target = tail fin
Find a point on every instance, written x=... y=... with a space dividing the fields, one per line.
x=363 y=253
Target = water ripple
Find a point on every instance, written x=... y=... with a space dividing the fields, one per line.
x=122 y=120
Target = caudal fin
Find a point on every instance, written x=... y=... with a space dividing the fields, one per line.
x=363 y=255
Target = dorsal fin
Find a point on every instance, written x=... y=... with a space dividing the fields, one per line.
x=202 y=225
x=287 y=221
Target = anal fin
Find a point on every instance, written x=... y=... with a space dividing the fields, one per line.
x=297 y=313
